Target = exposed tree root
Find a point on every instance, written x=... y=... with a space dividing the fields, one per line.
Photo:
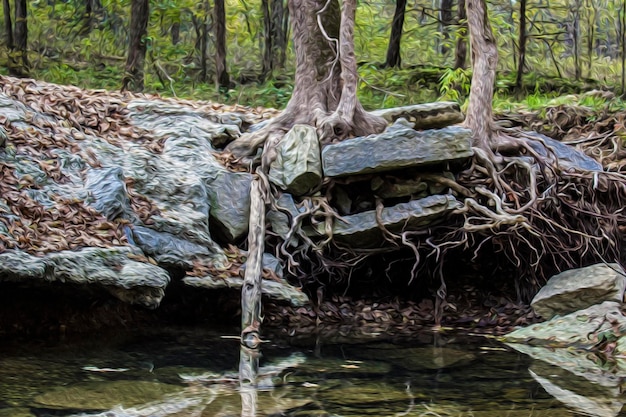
x=522 y=213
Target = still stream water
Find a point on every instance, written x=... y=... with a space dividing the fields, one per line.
x=193 y=372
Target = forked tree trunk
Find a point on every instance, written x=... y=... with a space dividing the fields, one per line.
x=222 y=80
x=484 y=53
x=133 y=78
x=460 y=55
x=393 y=50
x=324 y=92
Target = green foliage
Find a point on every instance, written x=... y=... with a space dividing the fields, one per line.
x=63 y=49
x=455 y=84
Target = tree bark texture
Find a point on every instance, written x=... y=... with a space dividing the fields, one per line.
x=521 y=62
x=21 y=33
x=460 y=55
x=393 y=50
x=484 y=54
x=139 y=14
x=222 y=80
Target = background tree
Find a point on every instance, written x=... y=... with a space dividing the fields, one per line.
x=134 y=77
x=521 y=61
x=393 y=49
x=21 y=34
x=445 y=23
x=222 y=79
x=460 y=55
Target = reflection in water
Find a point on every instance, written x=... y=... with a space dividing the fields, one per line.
x=248 y=372
x=193 y=373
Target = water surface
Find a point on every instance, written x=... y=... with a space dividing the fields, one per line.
x=194 y=372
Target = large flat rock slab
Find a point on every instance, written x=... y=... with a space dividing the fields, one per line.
x=363 y=230
x=425 y=116
x=398 y=147
x=580 y=288
x=113 y=269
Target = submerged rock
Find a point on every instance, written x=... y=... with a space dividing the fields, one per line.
x=578 y=289
x=398 y=147
x=103 y=395
x=582 y=329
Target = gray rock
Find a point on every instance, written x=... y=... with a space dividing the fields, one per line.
x=167 y=249
x=362 y=230
x=109 y=192
x=398 y=147
x=297 y=167
x=582 y=329
x=577 y=289
x=425 y=116
x=112 y=269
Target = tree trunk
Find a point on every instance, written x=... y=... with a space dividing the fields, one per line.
x=204 y=43
x=521 y=62
x=484 y=53
x=460 y=56
x=8 y=25
x=445 y=21
x=222 y=80
x=139 y=14
x=21 y=33
x=393 y=50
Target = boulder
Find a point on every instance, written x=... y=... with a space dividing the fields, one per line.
x=398 y=147
x=362 y=230
x=112 y=269
x=425 y=116
x=108 y=190
x=297 y=167
x=582 y=329
x=577 y=289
